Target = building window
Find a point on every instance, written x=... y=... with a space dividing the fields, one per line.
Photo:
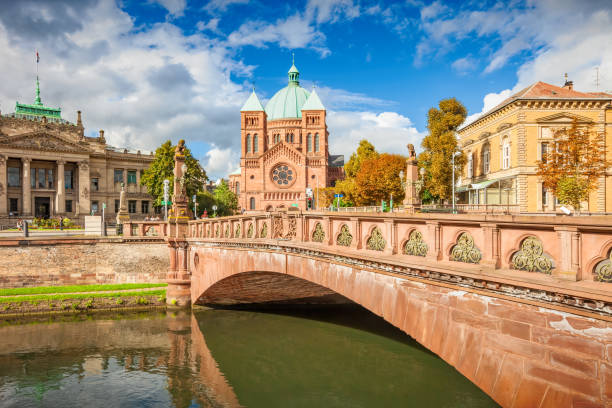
x=13 y=177
x=69 y=206
x=486 y=160
x=14 y=205
x=470 y=165
x=68 y=179
x=49 y=178
x=118 y=176
x=94 y=207
x=33 y=178
x=255 y=144
x=41 y=178
x=248 y=143
x=252 y=203
x=544 y=197
x=316 y=142
x=144 y=207
x=132 y=206
x=237 y=188
x=544 y=152
x=506 y=154
x=131 y=176
x=95 y=184
x=309 y=143
x=117 y=206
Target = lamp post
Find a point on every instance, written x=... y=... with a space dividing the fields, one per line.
x=453 y=165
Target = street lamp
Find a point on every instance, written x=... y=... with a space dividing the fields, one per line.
x=454 y=155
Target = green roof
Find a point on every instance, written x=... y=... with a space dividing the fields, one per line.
x=288 y=102
x=37 y=109
x=252 y=104
x=313 y=102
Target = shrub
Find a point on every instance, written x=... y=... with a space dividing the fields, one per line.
x=119 y=301
x=75 y=306
x=173 y=302
x=142 y=301
x=161 y=299
x=89 y=304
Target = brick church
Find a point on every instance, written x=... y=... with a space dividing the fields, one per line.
x=284 y=153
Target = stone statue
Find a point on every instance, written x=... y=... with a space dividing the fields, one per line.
x=411 y=151
x=180 y=148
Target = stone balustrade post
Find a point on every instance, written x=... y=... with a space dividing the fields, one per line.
x=141 y=230
x=390 y=236
x=491 y=251
x=356 y=230
x=299 y=228
x=329 y=233
x=569 y=253
x=433 y=239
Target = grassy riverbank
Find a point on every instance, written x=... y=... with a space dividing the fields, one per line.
x=80 y=298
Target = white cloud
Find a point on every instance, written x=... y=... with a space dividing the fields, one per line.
x=221 y=162
x=463 y=65
x=490 y=101
x=222 y=5
x=389 y=132
x=174 y=7
x=211 y=25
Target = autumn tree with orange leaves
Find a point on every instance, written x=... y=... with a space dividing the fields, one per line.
x=572 y=165
x=378 y=178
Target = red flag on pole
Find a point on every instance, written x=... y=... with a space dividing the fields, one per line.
x=37 y=57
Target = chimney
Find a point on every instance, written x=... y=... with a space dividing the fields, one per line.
x=79 y=122
x=101 y=138
x=568 y=84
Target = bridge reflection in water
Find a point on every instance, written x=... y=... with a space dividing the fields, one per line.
x=342 y=356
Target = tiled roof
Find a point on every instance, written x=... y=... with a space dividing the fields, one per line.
x=542 y=90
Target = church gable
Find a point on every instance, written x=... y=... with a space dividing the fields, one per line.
x=283 y=150
x=564 y=118
x=42 y=141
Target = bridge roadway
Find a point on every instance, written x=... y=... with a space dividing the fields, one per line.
x=520 y=305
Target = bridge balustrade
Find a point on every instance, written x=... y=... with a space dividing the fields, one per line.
x=158 y=229
x=566 y=248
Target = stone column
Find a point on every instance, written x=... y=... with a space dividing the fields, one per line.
x=3 y=186
x=84 y=197
x=491 y=251
x=434 y=250
x=60 y=196
x=26 y=187
x=569 y=253
x=390 y=233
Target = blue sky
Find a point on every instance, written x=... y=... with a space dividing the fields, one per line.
x=146 y=71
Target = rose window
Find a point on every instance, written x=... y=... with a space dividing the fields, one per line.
x=282 y=175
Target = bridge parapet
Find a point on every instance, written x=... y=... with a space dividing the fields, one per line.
x=546 y=249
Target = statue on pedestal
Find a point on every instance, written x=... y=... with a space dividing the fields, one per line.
x=413 y=185
x=123 y=215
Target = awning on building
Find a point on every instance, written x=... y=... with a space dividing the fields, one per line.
x=461 y=189
x=483 y=184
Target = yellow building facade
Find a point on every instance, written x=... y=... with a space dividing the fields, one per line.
x=503 y=147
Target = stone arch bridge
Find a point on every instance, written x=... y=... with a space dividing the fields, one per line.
x=520 y=305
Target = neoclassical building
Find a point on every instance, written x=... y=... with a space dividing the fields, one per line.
x=503 y=147
x=284 y=149
x=48 y=167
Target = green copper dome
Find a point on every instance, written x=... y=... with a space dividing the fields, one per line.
x=288 y=102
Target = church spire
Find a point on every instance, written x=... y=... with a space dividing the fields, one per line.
x=294 y=74
x=37 y=101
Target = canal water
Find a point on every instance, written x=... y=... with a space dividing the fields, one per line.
x=329 y=357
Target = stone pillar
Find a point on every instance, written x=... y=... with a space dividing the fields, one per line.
x=84 y=182
x=569 y=253
x=390 y=237
x=434 y=250
x=491 y=251
x=60 y=196
x=26 y=187
x=3 y=186
x=412 y=176
x=356 y=231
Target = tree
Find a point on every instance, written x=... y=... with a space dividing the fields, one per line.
x=348 y=187
x=440 y=145
x=226 y=200
x=378 y=178
x=572 y=165
x=205 y=200
x=162 y=168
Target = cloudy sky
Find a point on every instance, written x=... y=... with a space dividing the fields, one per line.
x=147 y=71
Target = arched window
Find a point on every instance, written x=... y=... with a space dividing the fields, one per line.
x=252 y=203
x=237 y=188
x=505 y=153
x=255 y=144
x=248 y=143
x=309 y=143
x=316 y=142
x=486 y=159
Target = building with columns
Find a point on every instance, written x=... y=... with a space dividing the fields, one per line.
x=48 y=167
x=504 y=145
x=284 y=151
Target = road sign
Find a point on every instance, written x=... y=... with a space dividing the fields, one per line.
x=309 y=192
x=194 y=198
x=214 y=207
x=103 y=205
x=166 y=202
x=338 y=195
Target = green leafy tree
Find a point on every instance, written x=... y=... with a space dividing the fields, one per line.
x=205 y=200
x=226 y=200
x=162 y=168
x=348 y=186
x=440 y=145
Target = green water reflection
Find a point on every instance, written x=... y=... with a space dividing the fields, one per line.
x=340 y=357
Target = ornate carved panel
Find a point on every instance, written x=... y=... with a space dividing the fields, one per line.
x=376 y=242
x=227 y=232
x=264 y=230
x=237 y=232
x=415 y=245
x=344 y=238
x=531 y=257
x=603 y=270
x=250 y=231
x=465 y=250
x=318 y=235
